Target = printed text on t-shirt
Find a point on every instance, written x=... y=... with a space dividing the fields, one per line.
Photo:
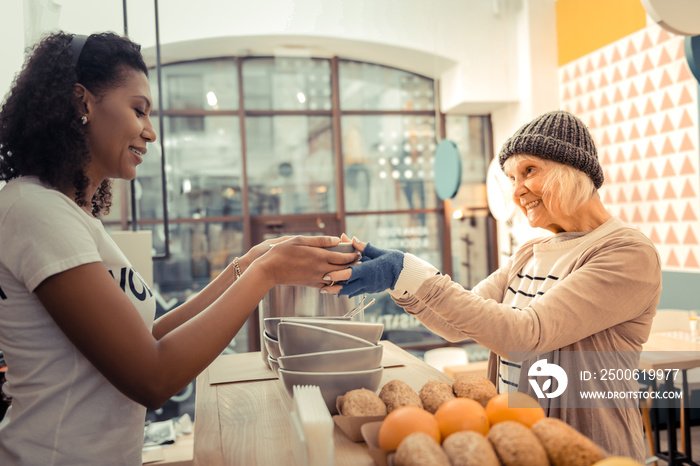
x=140 y=295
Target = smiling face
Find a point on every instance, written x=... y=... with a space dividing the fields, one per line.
x=119 y=127
x=528 y=176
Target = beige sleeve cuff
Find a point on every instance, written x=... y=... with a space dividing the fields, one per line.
x=415 y=271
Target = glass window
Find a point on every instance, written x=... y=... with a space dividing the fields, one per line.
x=470 y=135
x=290 y=165
x=470 y=261
x=148 y=184
x=388 y=129
x=388 y=162
x=290 y=161
x=200 y=85
x=419 y=234
x=203 y=168
x=199 y=251
x=366 y=86
x=287 y=83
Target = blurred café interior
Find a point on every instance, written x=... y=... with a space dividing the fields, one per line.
x=281 y=117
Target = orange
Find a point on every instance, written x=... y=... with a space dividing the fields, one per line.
x=404 y=421
x=460 y=414
x=514 y=406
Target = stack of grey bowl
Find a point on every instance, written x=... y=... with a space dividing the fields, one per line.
x=336 y=354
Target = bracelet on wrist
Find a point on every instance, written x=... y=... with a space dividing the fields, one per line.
x=236 y=269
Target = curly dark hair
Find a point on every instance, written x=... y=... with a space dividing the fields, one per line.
x=40 y=129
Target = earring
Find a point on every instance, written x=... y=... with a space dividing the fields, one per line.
x=84 y=119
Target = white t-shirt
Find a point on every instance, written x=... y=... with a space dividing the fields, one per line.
x=64 y=412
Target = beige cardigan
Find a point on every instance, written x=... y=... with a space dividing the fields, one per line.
x=609 y=283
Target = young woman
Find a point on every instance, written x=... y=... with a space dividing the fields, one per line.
x=591 y=288
x=84 y=356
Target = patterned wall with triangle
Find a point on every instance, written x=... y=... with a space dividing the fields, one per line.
x=640 y=101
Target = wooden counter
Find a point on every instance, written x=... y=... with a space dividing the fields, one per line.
x=248 y=423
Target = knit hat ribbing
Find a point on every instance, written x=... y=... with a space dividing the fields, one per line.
x=558 y=136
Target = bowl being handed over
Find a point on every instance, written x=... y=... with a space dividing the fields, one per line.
x=342 y=247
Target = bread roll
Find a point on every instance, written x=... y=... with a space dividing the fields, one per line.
x=435 y=393
x=565 y=445
x=420 y=449
x=363 y=402
x=397 y=393
x=516 y=445
x=469 y=448
x=477 y=388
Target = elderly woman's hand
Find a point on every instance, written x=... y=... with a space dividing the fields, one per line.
x=377 y=271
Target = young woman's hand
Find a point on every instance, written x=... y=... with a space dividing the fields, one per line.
x=258 y=250
x=302 y=260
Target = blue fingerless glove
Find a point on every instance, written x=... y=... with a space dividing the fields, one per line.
x=378 y=270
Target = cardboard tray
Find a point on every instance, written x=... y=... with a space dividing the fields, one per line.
x=370 y=434
x=351 y=425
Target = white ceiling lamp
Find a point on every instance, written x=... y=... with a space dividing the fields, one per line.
x=498 y=192
x=212 y=101
x=676 y=16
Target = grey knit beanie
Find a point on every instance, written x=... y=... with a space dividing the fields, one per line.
x=558 y=136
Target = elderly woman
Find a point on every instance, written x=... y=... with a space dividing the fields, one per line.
x=592 y=287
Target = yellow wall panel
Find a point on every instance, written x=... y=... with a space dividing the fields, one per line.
x=586 y=25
